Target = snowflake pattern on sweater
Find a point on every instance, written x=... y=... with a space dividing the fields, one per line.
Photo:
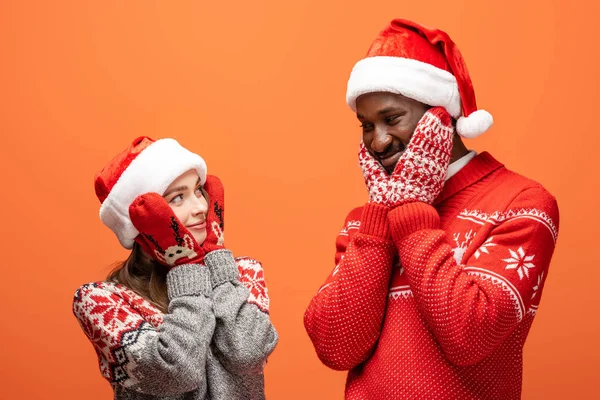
x=252 y=276
x=451 y=321
x=114 y=318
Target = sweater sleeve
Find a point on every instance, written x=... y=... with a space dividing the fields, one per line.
x=344 y=318
x=473 y=307
x=136 y=355
x=244 y=335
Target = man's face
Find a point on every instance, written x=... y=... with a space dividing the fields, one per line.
x=388 y=121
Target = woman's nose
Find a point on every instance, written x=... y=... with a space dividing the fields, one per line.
x=199 y=206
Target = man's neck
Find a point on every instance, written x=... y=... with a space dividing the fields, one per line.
x=459 y=149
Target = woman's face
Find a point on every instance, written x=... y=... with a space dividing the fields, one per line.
x=187 y=201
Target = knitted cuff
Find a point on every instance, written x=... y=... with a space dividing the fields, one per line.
x=188 y=280
x=222 y=267
x=374 y=221
x=412 y=217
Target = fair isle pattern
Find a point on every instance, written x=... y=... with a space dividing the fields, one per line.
x=115 y=318
x=398 y=292
x=483 y=249
x=453 y=325
x=427 y=157
x=507 y=287
x=421 y=171
x=351 y=225
x=538 y=285
x=252 y=277
x=532 y=310
x=480 y=217
x=462 y=245
x=520 y=262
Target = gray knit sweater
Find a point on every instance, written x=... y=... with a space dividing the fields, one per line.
x=212 y=344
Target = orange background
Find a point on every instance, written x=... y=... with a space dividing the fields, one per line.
x=257 y=88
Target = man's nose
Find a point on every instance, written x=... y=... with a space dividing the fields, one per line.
x=381 y=140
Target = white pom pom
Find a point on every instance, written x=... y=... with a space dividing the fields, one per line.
x=475 y=124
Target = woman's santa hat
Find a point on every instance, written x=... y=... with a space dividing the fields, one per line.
x=144 y=166
x=424 y=65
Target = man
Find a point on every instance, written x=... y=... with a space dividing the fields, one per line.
x=439 y=276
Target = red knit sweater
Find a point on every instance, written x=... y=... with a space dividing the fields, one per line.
x=450 y=319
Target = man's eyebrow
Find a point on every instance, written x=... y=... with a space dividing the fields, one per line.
x=380 y=112
x=385 y=110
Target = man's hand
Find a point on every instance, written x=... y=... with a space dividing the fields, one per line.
x=421 y=171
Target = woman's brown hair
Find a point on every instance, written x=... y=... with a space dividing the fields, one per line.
x=144 y=276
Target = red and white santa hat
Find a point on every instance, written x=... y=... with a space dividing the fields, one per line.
x=424 y=65
x=144 y=166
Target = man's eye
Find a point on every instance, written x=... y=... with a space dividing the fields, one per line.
x=392 y=119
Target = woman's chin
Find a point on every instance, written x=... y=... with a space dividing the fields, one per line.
x=200 y=237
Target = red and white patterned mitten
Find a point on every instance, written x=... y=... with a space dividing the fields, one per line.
x=215 y=218
x=376 y=177
x=162 y=235
x=421 y=171
x=252 y=276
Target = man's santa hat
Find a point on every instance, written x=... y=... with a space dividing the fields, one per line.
x=424 y=65
x=144 y=166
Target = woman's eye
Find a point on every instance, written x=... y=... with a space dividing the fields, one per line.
x=177 y=199
x=199 y=192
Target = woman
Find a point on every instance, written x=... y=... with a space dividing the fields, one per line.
x=181 y=318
